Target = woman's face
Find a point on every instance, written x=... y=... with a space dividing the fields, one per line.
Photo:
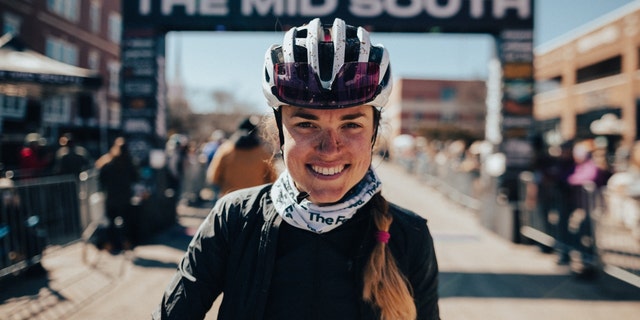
x=327 y=152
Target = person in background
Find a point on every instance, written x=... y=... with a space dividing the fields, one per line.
x=320 y=242
x=34 y=161
x=176 y=150
x=209 y=149
x=113 y=151
x=242 y=161
x=70 y=157
x=207 y=194
x=586 y=169
x=117 y=176
x=586 y=172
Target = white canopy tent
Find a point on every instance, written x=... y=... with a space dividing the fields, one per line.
x=26 y=72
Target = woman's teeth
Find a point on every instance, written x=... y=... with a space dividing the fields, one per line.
x=327 y=171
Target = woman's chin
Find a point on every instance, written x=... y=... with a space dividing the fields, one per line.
x=326 y=198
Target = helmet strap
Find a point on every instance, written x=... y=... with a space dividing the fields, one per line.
x=377 y=115
x=277 y=112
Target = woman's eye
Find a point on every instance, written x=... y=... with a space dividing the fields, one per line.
x=352 y=125
x=304 y=125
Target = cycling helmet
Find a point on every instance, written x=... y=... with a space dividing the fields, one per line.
x=326 y=67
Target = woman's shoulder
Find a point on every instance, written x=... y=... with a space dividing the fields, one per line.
x=407 y=220
x=405 y=214
x=242 y=201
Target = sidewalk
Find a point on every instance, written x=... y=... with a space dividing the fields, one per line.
x=125 y=286
x=483 y=276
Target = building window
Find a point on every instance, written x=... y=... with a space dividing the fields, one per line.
x=62 y=51
x=115 y=27
x=56 y=109
x=114 y=78
x=13 y=107
x=94 y=60
x=11 y=23
x=69 y=9
x=548 y=84
x=605 y=68
x=95 y=14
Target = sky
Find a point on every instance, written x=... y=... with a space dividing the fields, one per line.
x=232 y=61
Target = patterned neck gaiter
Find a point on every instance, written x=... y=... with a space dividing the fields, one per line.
x=320 y=219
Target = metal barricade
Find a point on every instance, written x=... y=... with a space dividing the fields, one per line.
x=539 y=210
x=616 y=220
x=597 y=225
x=36 y=213
x=463 y=187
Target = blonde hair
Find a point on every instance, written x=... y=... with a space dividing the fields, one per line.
x=384 y=285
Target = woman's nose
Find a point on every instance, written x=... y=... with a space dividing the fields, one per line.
x=329 y=141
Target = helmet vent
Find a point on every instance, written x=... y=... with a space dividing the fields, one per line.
x=352 y=51
x=376 y=54
x=325 y=59
x=301 y=33
x=300 y=54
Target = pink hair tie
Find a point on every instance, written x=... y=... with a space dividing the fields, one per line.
x=383 y=236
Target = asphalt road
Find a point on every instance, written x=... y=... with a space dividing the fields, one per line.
x=483 y=275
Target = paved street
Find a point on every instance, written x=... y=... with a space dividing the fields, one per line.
x=483 y=276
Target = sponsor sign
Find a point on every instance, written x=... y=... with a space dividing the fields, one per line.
x=469 y=16
x=146 y=21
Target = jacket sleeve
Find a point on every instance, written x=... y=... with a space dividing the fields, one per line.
x=199 y=279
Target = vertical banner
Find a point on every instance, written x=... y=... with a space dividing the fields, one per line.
x=515 y=50
x=142 y=91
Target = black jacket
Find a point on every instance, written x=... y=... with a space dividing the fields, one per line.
x=234 y=253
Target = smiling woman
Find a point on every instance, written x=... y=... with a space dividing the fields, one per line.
x=321 y=241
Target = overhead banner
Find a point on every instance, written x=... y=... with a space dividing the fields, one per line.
x=465 y=16
x=145 y=22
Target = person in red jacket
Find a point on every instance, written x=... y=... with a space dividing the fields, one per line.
x=33 y=161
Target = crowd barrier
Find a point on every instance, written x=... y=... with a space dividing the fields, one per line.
x=598 y=228
x=53 y=211
x=39 y=212
x=470 y=187
x=602 y=226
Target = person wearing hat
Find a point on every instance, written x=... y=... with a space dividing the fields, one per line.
x=242 y=161
x=321 y=242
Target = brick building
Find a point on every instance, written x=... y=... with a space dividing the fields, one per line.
x=83 y=34
x=438 y=107
x=588 y=81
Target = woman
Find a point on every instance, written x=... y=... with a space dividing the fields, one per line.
x=321 y=242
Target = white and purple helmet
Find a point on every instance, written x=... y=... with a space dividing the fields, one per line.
x=326 y=67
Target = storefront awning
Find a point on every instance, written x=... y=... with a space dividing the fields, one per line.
x=22 y=66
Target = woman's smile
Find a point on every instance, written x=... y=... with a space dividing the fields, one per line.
x=328 y=171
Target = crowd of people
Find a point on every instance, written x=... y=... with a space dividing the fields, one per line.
x=569 y=179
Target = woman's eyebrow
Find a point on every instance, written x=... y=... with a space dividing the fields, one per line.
x=304 y=115
x=311 y=116
x=353 y=116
